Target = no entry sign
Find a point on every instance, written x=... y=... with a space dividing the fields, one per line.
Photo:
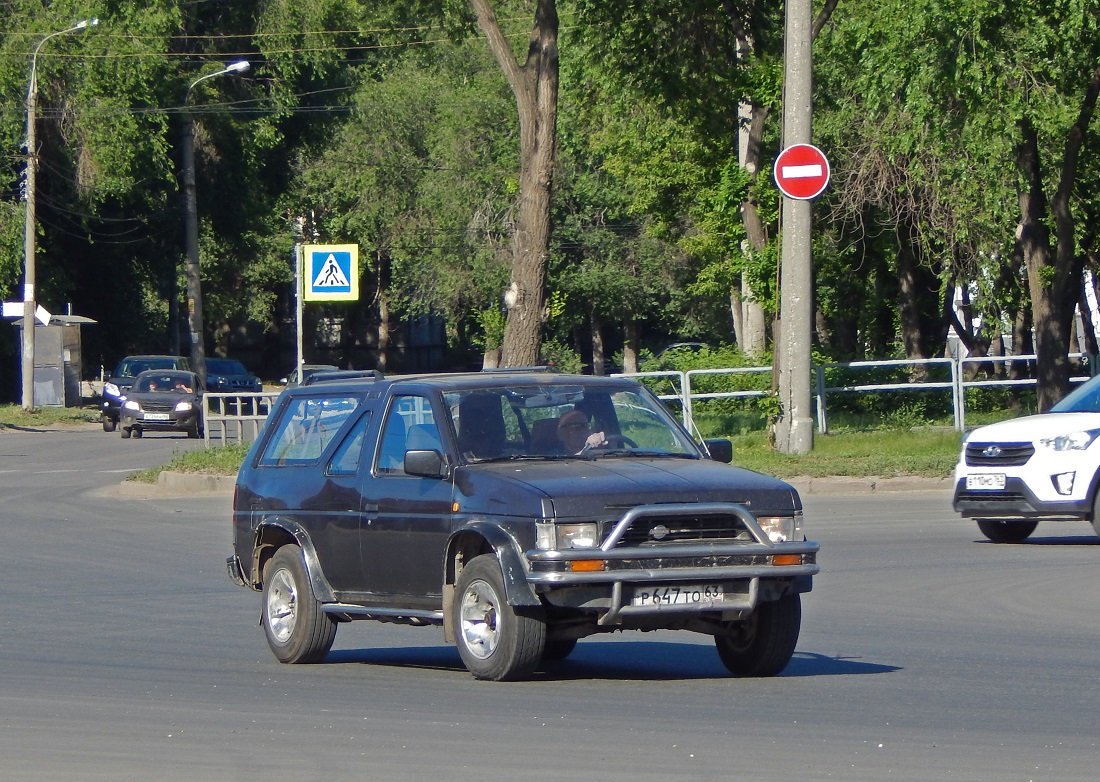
x=801 y=172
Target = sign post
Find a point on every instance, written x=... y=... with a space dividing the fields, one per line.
x=324 y=272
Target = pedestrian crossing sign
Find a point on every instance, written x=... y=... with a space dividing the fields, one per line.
x=331 y=272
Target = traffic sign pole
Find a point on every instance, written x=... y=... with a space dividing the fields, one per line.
x=794 y=431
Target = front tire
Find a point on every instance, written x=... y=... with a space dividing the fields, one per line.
x=495 y=642
x=109 y=423
x=763 y=644
x=297 y=630
x=124 y=432
x=1007 y=531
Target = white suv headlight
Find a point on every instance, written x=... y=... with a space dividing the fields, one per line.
x=1073 y=441
x=552 y=536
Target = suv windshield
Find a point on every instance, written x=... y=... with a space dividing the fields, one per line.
x=562 y=420
x=132 y=367
x=225 y=366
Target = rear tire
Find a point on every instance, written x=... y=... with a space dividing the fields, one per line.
x=1000 y=531
x=109 y=423
x=494 y=641
x=763 y=644
x=297 y=630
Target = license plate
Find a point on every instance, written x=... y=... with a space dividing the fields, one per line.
x=988 y=481
x=156 y=416
x=677 y=595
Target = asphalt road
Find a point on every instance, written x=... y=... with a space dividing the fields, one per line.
x=926 y=654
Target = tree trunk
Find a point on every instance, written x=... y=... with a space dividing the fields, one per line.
x=535 y=86
x=752 y=335
x=597 y=343
x=630 y=345
x=1053 y=274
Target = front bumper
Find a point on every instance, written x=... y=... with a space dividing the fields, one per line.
x=177 y=422
x=614 y=578
x=1016 y=500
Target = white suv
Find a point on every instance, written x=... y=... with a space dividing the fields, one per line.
x=1014 y=473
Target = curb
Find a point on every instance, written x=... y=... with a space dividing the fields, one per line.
x=870 y=485
x=177 y=484
x=185 y=484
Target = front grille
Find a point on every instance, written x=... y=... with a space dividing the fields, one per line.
x=987 y=498
x=655 y=530
x=158 y=407
x=998 y=454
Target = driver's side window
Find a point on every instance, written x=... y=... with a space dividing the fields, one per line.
x=410 y=425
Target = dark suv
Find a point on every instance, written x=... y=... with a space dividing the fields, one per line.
x=520 y=511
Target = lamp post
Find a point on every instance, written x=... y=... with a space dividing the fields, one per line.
x=191 y=228
x=29 y=304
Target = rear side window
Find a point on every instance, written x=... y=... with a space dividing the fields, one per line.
x=305 y=429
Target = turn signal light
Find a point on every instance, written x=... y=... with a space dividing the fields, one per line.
x=787 y=559
x=586 y=566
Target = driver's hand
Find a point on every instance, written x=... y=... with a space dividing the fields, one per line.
x=595 y=440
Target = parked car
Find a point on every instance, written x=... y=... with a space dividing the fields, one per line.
x=520 y=511
x=226 y=376
x=293 y=381
x=1012 y=474
x=118 y=384
x=163 y=400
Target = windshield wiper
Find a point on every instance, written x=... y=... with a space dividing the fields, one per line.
x=634 y=452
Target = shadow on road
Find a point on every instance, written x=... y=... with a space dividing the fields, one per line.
x=626 y=660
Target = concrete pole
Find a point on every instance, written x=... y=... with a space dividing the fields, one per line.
x=30 y=303
x=29 y=243
x=191 y=252
x=192 y=270
x=795 y=428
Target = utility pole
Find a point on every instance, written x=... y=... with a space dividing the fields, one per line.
x=795 y=427
x=191 y=228
x=29 y=236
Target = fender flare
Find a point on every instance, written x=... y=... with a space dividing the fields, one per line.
x=321 y=588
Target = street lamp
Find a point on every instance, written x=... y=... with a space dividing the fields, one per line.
x=29 y=305
x=191 y=228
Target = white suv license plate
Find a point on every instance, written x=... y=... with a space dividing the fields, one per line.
x=678 y=595
x=986 y=481
x=157 y=416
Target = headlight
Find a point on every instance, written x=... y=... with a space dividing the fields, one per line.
x=132 y=405
x=111 y=388
x=183 y=407
x=558 y=536
x=1074 y=441
x=781 y=529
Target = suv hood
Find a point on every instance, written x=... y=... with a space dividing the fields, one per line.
x=609 y=485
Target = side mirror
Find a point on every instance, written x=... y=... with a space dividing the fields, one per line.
x=426 y=464
x=721 y=450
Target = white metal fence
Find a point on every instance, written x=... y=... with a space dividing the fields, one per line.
x=681 y=384
x=235 y=417
x=240 y=417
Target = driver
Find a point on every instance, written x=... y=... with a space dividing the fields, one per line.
x=575 y=433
